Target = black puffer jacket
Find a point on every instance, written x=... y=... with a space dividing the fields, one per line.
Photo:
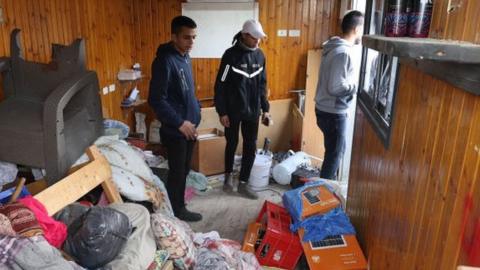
x=240 y=88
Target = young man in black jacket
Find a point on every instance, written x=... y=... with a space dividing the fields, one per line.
x=172 y=97
x=240 y=98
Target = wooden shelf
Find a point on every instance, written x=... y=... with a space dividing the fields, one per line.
x=137 y=103
x=425 y=48
x=132 y=80
x=455 y=62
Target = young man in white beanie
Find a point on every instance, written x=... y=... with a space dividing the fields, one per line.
x=240 y=99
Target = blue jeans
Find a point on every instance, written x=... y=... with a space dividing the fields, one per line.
x=333 y=127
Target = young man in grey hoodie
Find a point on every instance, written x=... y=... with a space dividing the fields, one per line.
x=335 y=90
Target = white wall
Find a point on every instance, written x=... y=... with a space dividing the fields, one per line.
x=217 y=23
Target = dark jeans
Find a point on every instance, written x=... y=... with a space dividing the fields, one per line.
x=333 y=127
x=249 y=134
x=179 y=153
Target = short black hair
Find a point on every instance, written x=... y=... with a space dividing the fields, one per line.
x=351 y=20
x=182 y=21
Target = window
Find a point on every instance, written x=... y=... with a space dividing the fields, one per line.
x=378 y=77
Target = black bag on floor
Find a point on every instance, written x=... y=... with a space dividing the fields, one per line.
x=97 y=236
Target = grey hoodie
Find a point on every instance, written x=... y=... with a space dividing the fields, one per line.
x=336 y=80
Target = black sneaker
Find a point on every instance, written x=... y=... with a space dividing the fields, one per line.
x=246 y=191
x=186 y=215
x=228 y=183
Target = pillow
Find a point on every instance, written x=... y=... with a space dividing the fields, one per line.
x=131 y=174
x=175 y=236
x=6 y=226
x=165 y=206
x=161 y=257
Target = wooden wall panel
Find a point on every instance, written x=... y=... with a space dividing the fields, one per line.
x=119 y=33
x=286 y=56
x=416 y=204
x=106 y=26
x=151 y=24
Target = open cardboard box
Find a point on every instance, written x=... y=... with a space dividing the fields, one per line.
x=209 y=151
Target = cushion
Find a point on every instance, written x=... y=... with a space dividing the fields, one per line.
x=6 y=226
x=175 y=236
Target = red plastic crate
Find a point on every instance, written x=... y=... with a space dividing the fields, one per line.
x=279 y=247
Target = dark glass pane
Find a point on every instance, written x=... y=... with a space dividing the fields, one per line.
x=378 y=76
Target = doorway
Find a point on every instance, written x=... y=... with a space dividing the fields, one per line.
x=345 y=163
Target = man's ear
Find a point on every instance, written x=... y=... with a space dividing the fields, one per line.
x=359 y=30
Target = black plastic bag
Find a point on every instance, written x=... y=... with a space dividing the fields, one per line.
x=71 y=213
x=97 y=237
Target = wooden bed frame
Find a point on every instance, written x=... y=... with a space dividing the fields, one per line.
x=82 y=179
x=79 y=182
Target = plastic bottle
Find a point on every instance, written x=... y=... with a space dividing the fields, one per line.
x=396 y=19
x=420 y=18
x=266 y=148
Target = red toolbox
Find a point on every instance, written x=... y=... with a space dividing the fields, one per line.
x=271 y=240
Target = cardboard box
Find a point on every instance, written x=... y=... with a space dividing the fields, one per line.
x=251 y=237
x=341 y=252
x=209 y=151
x=318 y=200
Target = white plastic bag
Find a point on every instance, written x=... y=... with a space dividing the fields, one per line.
x=154 y=132
x=140 y=126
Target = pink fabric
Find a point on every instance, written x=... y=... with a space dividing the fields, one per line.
x=103 y=201
x=55 y=232
x=189 y=193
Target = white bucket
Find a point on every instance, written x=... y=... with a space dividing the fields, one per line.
x=282 y=172
x=260 y=171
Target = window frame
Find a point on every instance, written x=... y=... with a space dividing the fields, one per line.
x=368 y=104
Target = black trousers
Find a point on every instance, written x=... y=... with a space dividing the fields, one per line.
x=249 y=134
x=179 y=153
x=334 y=128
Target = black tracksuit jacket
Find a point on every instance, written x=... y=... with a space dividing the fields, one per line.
x=240 y=87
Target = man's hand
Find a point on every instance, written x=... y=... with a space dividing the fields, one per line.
x=188 y=130
x=267 y=119
x=225 y=121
